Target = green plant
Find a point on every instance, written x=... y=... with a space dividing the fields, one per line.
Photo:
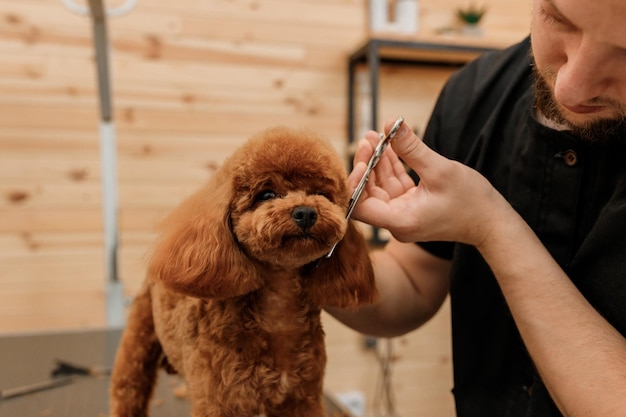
x=472 y=14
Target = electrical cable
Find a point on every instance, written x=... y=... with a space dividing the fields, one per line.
x=384 y=399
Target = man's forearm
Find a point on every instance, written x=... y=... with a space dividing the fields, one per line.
x=405 y=302
x=580 y=356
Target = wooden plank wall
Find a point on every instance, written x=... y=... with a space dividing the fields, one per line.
x=191 y=81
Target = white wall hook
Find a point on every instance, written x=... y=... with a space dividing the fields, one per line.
x=121 y=10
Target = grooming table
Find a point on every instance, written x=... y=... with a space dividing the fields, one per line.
x=28 y=359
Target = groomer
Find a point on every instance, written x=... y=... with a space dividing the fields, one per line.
x=519 y=215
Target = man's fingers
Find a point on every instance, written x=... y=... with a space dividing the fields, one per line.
x=373 y=137
x=363 y=151
x=356 y=174
x=371 y=211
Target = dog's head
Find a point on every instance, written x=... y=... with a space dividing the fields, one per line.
x=289 y=198
x=278 y=203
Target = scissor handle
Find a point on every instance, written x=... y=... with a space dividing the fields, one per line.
x=110 y=12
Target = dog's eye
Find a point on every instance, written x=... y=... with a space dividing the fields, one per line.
x=326 y=195
x=265 y=195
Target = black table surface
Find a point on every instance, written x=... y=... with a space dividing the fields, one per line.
x=28 y=359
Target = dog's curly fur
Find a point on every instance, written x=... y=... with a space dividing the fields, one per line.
x=233 y=296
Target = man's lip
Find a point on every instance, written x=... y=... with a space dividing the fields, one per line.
x=584 y=109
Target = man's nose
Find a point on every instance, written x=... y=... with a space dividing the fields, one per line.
x=586 y=74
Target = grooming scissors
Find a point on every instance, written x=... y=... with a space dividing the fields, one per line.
x=378 y=153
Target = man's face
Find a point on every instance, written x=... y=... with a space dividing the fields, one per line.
x=579 y=47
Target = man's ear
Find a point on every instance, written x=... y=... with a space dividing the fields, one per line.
x=346 y=279
x=197 y=254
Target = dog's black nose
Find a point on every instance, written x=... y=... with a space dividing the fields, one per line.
x=304 y=216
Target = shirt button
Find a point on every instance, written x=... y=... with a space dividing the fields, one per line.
x=569 y=157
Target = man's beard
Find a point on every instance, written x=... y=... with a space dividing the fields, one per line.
x=606 y=130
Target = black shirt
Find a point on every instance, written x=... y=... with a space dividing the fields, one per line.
x=573 y=195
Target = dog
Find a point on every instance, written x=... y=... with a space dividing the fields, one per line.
x=237 y=280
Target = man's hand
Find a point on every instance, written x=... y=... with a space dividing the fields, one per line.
x=452 y=201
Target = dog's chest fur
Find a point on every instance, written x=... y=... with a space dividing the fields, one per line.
x=271 y=334
x=290 y=322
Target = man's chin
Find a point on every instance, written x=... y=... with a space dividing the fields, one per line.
x=602 y=131
x=596 y=128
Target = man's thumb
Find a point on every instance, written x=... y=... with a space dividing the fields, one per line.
x=410 y=148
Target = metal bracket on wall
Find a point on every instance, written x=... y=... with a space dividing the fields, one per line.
x=108 y=152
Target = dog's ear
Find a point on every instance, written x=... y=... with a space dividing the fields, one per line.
x=346 y=279
x=197 y=254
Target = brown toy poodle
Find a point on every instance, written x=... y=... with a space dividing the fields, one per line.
x=234 y=290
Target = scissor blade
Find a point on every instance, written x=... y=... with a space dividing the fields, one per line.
x=371 y=164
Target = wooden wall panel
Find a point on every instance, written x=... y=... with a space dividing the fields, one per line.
x=191 y=79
